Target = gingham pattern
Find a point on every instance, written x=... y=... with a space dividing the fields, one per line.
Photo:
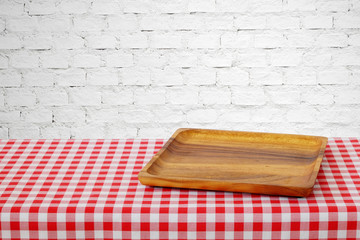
x=88 y=189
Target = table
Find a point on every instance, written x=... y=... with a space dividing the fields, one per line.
x=88 y=189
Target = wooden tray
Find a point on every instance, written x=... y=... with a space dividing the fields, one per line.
x=265 y=163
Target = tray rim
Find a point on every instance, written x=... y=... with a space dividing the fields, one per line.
x=144 y=176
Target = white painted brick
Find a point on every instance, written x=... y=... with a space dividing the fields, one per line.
x=24 y=132
x=20 y=97
x=149 y=96
x=2 y=25
x=302 y=114
x=332 y=6
x=354 y=40
x=317 y=22
x=10 y=42
x=232 y=76
x=235 y=116
x=219 y=22
x=355 y=5
x=332 y=40
x=38 y=78
x=201 y=6
x=102 y=77
x=169 y=115
x=165 y=41
x=252 y=60
x=88 y=131
x=268 y=115
x=345 y=57
x=211 y=96
x=284 y=95
x=286 y=57
x=232 y=6
x=4 y=62
x=152 y=59
x=70 y=77
x=68 y=42
x=301 y=40
x=38 y=42
x=119 y=59
x=52 y=97
x=355 y=77
x=135 y=76
x=250 y=22
x=266 y=77
x=74 y=7
x=199 y=76
x=156 y=132
x=102 y=115
x=333 y=77
x=106 y=7
x=347 y=96
x=24 y=60
x=187 y=22
x=175 y=6
x=134 y=41
x=42 y=8
x=2 y=99
x=269 y=40
x=4 y=133
x=347 y=21
x=117 y=96
x=126 y=22
x=166 y=77
x=300 y=76
x=208 y=40
x=90 y=23
x=84 y=96
x=236 y=40
x=317 y=96
x=182 y=95
x=10 y=78
x=183 y=59
x=118 y=131
x=136 y=116
x=9 y=117
x=202 y=116
x=54 y=60
x=69 y=115
x=55 y=132
x=266 y=6
x=217 y=60
x=283 y=22
x=38 y=116
x=317 y=58
x=337 y=116
x=137 y=6
x=155 y=22
x=87 y=61
x=248 y=96
x=22 y=24
x=11 y=8
x=101 y=42
x=55 y=24
x=301 y=5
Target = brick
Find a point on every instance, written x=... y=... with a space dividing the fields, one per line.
x=166 y=77
x=106 y=7
x=2 y=25
x=71 y=77
x=355 y=77
x=248 y=96
x=54 y=60
x=333 y=77
x=250 y=22
x=119 y=59
x=208 y=40
x=347 y=21
x=317 y=58
x=156 y=132
x=2 y=99
x=55 y=132
x=286 y=58
x=155 y=22
x=252 y=60
x=38 y=116
x=201 y=6
x=337 y=116
x=165 y=41
x=68 y=42
x=89 y=131
x=117 y=96
x=283 y=22
x=9 y=117
x=317 y=96
x=42 y=8
x=299 y=76
x=332 y=6
x=135 y=76
x=39 y=42
x=10 y=78
x=302 y=39
x=74 y=7
x=24 y=132
x=149 y=96
x=151 y=59
x=86 y=61
x=219 y=22
x=266 y=77
x=268 y=115
x=187 y=22
x=182 y=59
x=24 y=60
x=138 y=6
x=202 y=116
x=211 y=96
x=317 y=22
x=347 y=96
x=119 y=131
x=4 y=133
x=11 y=8
x=102 y=77
x=20 y=97
x=182 y=95
x=22 y=24
x=110 y=115
x=52 y=97
x=101 y=42
x=232 y=76
x=54 y=24
x=232 y=6
x=301 y=5
x=90 y=23
x=346 y=57
x=38 y=78
x=134 y=41
x=302 y=115
x=284 y=95
x=237 y=116
x=354 y=40
x=9 y=42
x=69 y=115
x=126 y=22
x=84 y=96
x=4 y=62
x=199 y=76
x=217 y=61
x=132 y=116
x=269 y=40
x=332 y=40
x=236 y=40
x=266 y=6
x=169 y=115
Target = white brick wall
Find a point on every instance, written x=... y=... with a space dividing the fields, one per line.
x=126 y=69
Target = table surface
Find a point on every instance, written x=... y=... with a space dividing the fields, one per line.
x=88 y=189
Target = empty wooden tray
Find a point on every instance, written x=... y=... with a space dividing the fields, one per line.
x=265 y=163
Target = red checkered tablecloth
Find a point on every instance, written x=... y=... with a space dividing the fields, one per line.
x=88 y=189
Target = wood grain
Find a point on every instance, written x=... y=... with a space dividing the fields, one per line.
x=265 y=163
